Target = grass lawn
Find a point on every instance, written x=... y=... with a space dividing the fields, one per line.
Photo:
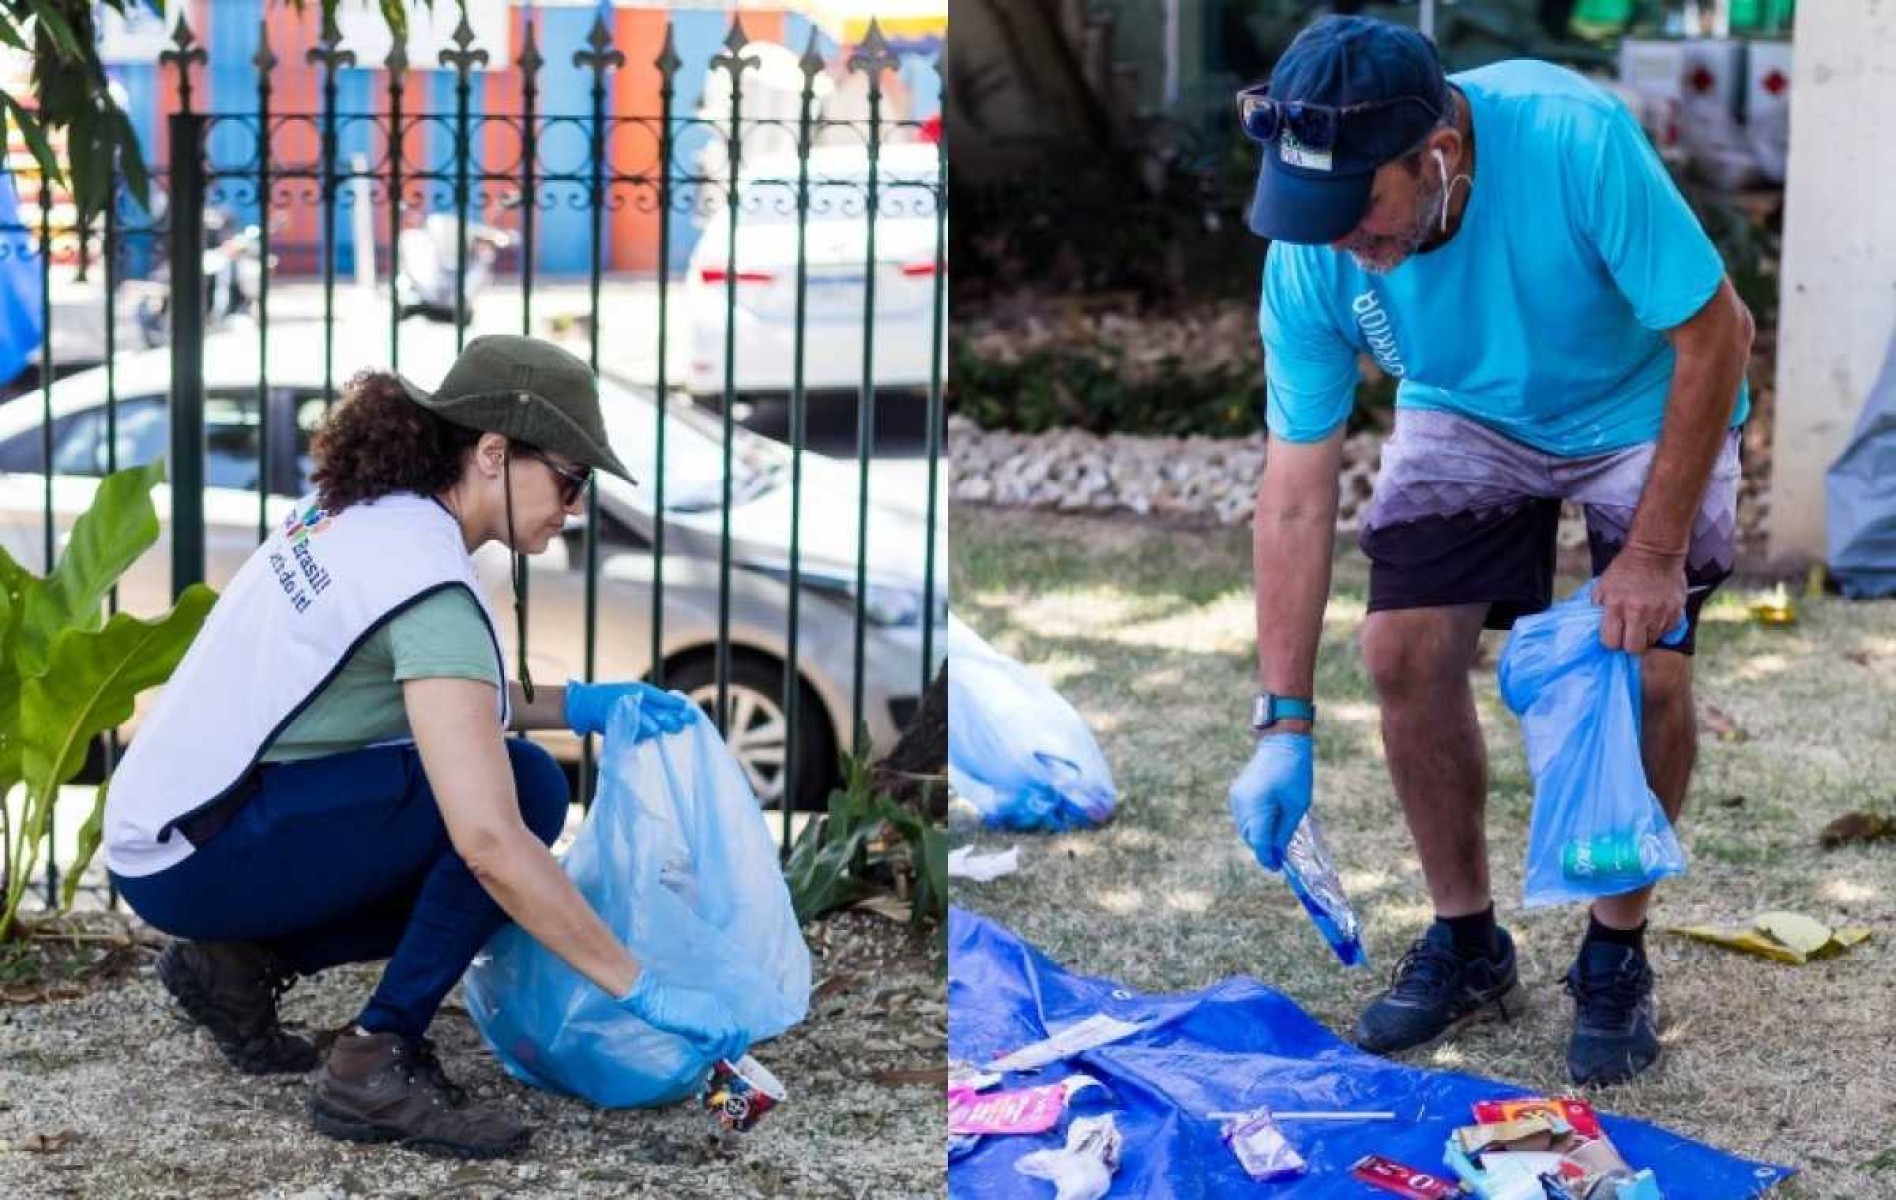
x=1148 y=631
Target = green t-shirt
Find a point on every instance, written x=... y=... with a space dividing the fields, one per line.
x=443 y=636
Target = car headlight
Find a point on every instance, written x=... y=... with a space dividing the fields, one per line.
x=885 y=605
x=892 y=606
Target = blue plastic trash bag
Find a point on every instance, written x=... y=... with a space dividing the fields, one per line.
x=1861 y=488
x=1597 y=829
x=676 y=857
x=1016 y=750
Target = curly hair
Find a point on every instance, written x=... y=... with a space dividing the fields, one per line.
x=376 y=441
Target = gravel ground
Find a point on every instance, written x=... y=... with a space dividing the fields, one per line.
x=154 y=1112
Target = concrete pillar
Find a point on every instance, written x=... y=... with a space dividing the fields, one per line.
x=1838 y=306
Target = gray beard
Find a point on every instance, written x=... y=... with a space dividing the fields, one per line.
x=1431 y=204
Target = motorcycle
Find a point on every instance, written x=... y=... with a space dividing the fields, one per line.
x=232 y=267
x=425 y=265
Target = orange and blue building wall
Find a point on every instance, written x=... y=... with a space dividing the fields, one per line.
x=228 y=30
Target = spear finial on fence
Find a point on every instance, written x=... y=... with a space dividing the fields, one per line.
x=668 y=61
x=328 y=51
x=397 y=61
x=812 y=61
x=530 y=61
x=734 y=59
x=464 y=58
x=601 y=55
x=873 y=57
x=263 y=59
x=186 y=52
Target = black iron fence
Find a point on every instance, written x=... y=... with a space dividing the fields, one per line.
x=782 y=698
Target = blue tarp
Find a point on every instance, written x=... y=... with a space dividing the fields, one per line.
x=1237 y=1045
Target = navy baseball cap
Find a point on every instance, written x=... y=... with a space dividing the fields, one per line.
x=1350 y=94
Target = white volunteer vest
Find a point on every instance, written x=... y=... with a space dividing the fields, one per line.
x=297 y=609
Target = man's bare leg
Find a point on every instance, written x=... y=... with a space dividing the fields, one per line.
x=1615 y=1033
x=1464 y=965
x=1419 y=659
x=1669 y=747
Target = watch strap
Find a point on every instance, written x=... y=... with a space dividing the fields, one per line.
x=1269 y=708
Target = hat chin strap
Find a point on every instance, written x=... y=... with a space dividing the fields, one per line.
x=517 y=571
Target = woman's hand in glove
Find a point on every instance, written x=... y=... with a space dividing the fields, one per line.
x=589 y=706
x=697 y=1016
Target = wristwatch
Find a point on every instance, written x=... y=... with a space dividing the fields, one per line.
x=1269 y=708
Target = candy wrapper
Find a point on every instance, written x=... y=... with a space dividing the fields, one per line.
x=1389 y=1175
x=1576 y=1113
x=1026 y=1110
x=1313 y=878
x=1261 y=1148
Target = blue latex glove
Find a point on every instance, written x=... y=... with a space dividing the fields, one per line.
x=589 y=706
x=699 y=1017
x=1272 y=794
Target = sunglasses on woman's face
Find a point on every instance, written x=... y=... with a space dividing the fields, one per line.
x=573 y=480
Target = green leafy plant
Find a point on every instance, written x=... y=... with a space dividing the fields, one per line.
x=67 y=674
x=861 y=845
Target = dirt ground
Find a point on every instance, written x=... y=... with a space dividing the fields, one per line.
x=111 y=1095
x=1149 y=632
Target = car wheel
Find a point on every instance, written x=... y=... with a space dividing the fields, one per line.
x=756 y=726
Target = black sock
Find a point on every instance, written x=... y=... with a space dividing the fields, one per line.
x=1473 y=934
x=1596 y=932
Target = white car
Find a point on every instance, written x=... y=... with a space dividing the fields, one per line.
x=893 y=672
x=836 y=268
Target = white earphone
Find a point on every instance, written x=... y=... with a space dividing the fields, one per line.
x=1448 y=189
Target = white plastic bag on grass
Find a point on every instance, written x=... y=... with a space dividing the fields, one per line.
x=1016 y=750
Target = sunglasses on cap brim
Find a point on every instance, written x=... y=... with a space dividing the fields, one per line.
x=1265 y=118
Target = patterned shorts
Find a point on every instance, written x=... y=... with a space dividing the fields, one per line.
x=1464 y=515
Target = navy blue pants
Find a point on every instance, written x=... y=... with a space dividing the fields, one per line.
x=346 y=859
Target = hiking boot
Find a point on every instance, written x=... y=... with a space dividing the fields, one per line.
x=1615 y=1034
x=381 y=1087
x=1435 y=990
x=232 y=988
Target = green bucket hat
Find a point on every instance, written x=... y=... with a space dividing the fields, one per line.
x=529 y=391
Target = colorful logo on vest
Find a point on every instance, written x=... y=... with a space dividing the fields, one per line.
x=299 y=527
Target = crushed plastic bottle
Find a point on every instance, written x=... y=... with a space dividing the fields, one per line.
x=1312 y=876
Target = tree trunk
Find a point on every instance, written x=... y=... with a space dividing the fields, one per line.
x=916 y=770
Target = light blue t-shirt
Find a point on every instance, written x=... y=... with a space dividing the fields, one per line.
x=1542 y=317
